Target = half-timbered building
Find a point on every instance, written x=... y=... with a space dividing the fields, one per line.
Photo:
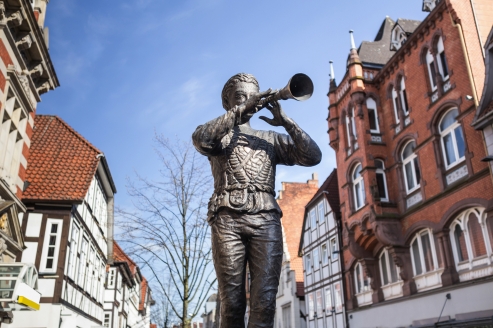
x=68 y=226
x=320 y=248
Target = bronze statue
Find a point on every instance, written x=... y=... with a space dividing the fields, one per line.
x=243 y=213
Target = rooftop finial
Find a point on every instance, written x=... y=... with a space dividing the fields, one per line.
x=332 y=76
x=353 y=46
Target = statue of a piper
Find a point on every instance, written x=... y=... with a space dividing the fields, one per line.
x=243 y=213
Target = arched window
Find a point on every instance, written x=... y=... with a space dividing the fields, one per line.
x=403 y=95
x=423 y=253
x=412 y=176
x=351 y=126
x=362 y=282
x=469 y=236
x=399 y=37
x=395 y=102
x=452 y=139
x=372 y=115
x=358 y=188
x=381 y=181
x=489 y=225
x=442 y=60
x=432 y=73
x=389 y=272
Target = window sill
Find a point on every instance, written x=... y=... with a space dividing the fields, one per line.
x=477 y=268
x=429 y=280
x=414 y=198
x=364 y=298
x=392 y=290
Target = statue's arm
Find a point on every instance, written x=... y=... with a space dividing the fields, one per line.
x=207 y=137
x=297 y=148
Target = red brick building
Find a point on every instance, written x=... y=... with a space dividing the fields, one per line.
x=416 y=199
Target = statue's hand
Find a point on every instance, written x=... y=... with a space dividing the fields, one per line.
x=280 y=118
x=251 y=105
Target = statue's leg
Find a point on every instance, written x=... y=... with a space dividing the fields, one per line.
x=264 y=253
x=228 y=251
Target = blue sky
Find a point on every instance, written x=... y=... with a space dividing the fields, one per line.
x=129 y=69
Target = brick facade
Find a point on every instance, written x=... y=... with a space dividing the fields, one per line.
x=444 y=190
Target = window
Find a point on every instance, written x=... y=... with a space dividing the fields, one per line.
x=320 y=306
x=452 y=139
x=430 y=62
x=111 y=278
x=362 y=282
x=308 y=263
x=313 y=217
x=325 y=254
x=316 y=259
x=82 y=263
x=351 y=126
x=321 y=212
x=286 y=316
x=412 y=175
x=403 y=95
x=311 y=306
x=381 y=181
x=388 y=270
x=338 y=296
x=74 y=239
x=334 y=249
x=489 y=225
x=51 y=245
x=423 y=253
x=442 y=60
x=107 y=320
x=358 y=188
x=371 y=105
x=469 y=234
x=395 y=102
x=328 y=301
x=90 y=270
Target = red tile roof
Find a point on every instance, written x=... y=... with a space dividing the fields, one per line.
x=153 y=325
x=120 y=256
x=61 y=162
x=292 y=200
x=143 y=291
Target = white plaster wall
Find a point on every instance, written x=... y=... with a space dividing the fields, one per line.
x=29 y=254
x=46 y=287
x=33 y=224
x=469 y=298
x=47 y=317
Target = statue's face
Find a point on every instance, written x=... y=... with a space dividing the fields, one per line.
x=241 y=92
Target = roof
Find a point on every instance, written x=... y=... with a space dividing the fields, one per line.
x=408 y=25
x=153 y=325
x=330 y=188
x=143 y=292
x=378 y=51
x=120 y=256
x=61 y=163
x=292 y=200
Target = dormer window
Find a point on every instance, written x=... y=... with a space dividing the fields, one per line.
x=399 y=37
x=429 y=5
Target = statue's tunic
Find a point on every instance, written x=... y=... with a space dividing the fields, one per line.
x=243 y=162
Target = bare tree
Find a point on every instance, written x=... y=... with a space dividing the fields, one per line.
x=167 y=229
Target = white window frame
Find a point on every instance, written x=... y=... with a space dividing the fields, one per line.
x=338 y=297
x=387 y=255
x=361 y=280
x=430 y=60
x=107 y=315
x=348 y=132
x=320 y=303
x=441 y=50
x=395 y=96
x=308 y=263
x=399 y=37
x=44 y=254
x=371 y=104
x=463 y=221
x=325 y=254
x=316 y=258
x=358 y=181
x=334 y=249
x=417 y=238
x=403 y=96
x=451 y=130
x=313 y=218
x=381 y=171
x=353 y=123
x=311 y=306
x=81 y=279
x=410 y=160
x=74 y=243
x=329 y=307
x=111 y=278
x=321 y=212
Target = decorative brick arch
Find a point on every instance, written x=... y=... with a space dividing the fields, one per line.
x=444 y=107
x=400 y=146
x=460 y=206
x=417 y=227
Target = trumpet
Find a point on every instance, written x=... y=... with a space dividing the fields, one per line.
x=299 y=87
